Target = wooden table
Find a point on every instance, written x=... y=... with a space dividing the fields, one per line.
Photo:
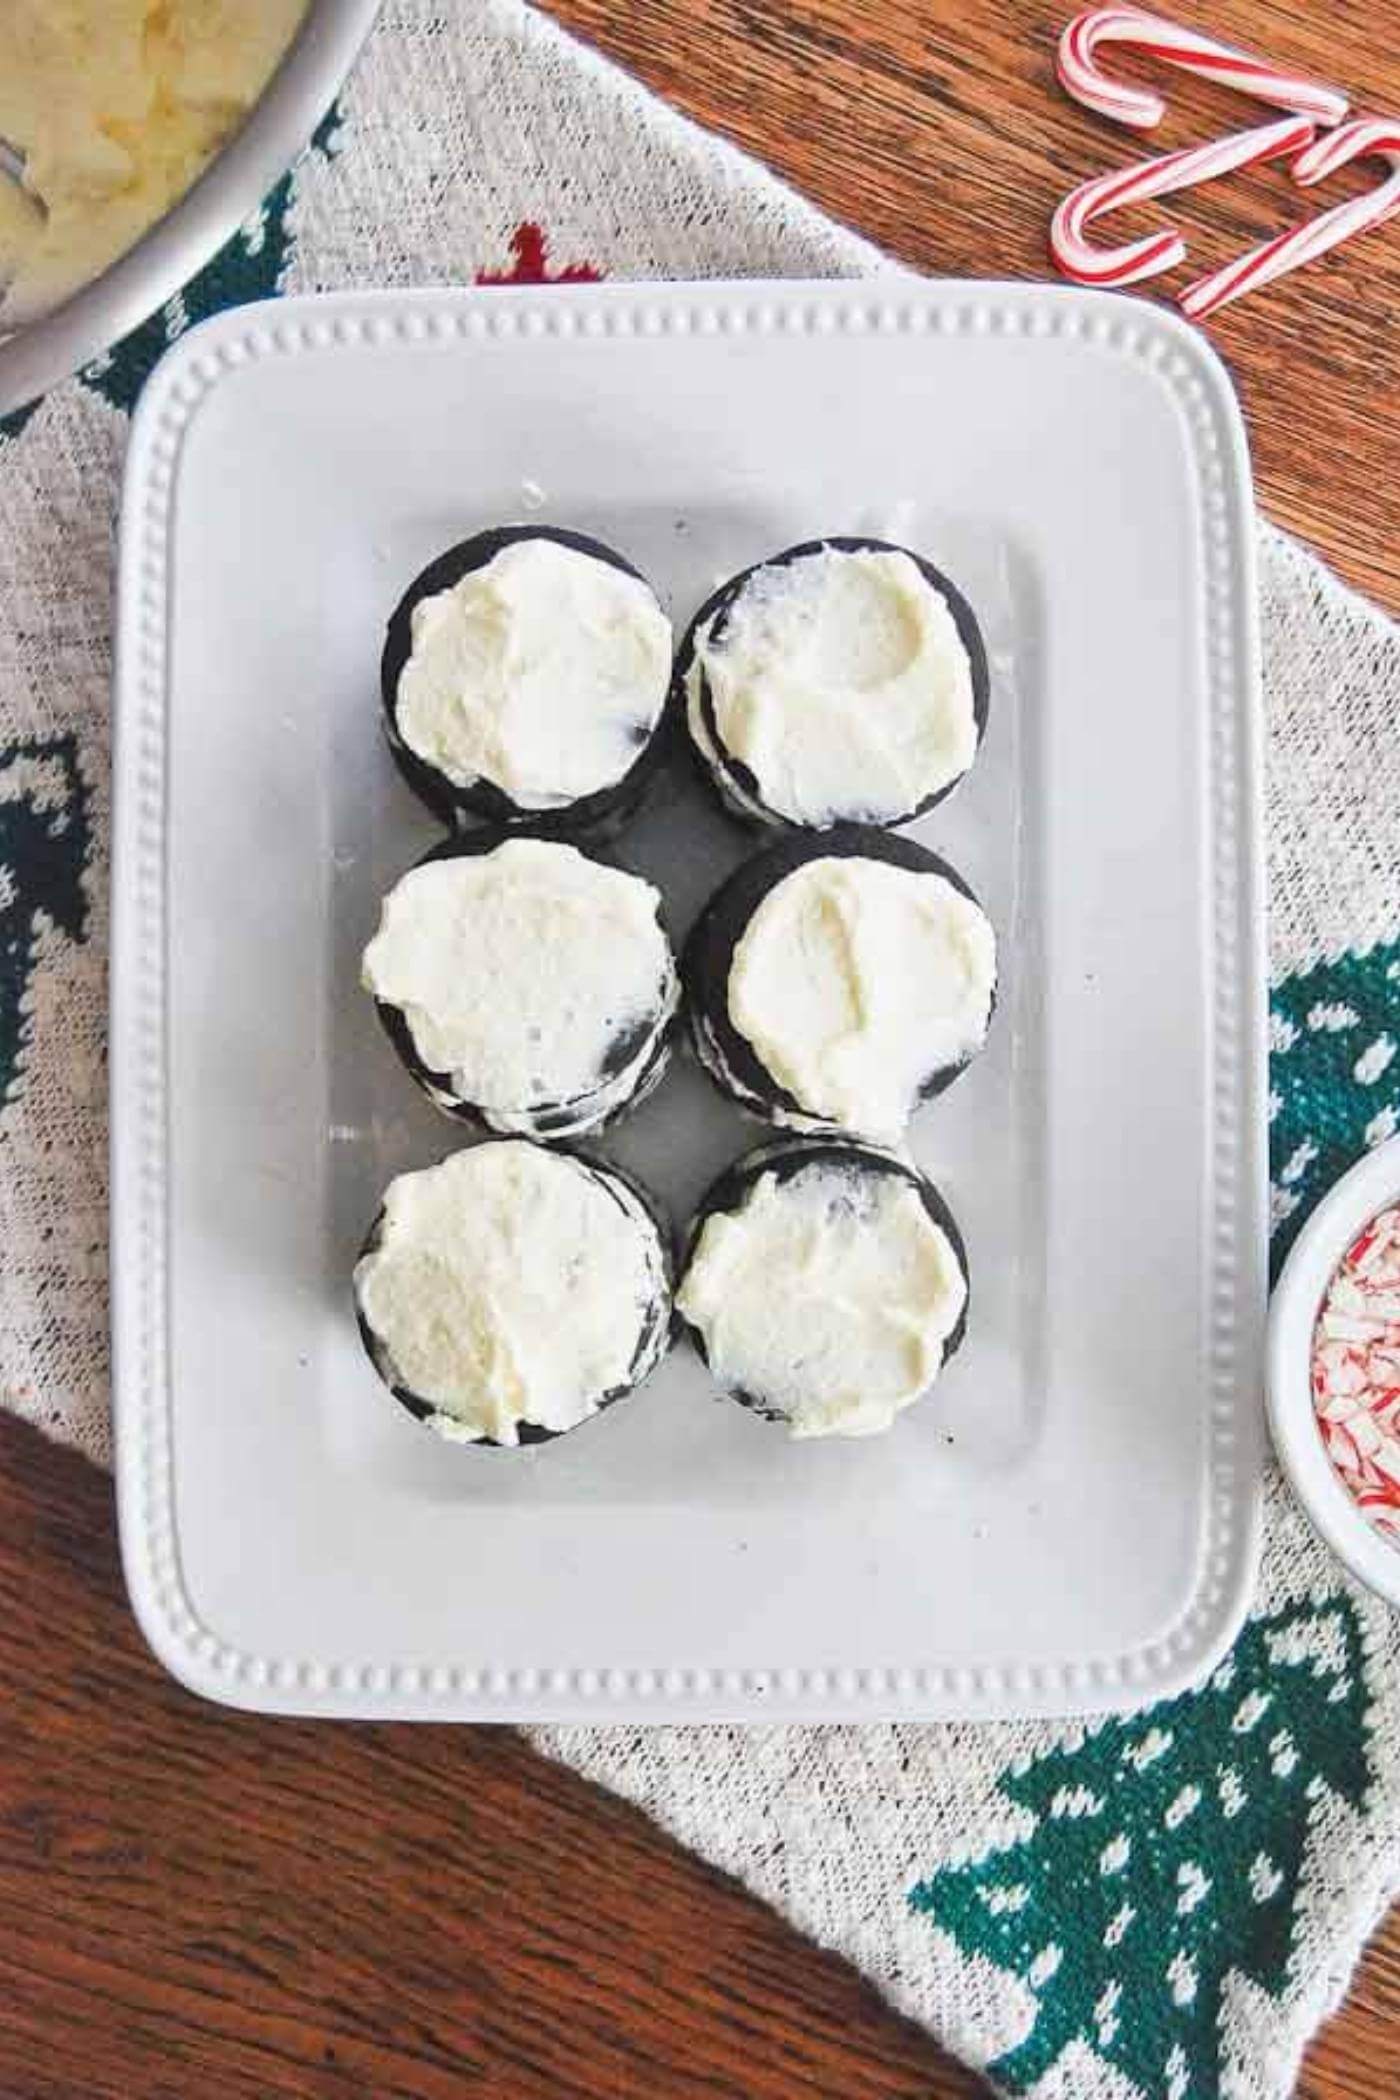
x=195 y=1902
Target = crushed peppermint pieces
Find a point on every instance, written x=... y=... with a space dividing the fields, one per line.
x=1356 y=1372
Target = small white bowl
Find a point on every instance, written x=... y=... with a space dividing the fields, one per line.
x=1372 y=1185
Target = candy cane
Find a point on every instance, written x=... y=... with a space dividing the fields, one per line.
x=1080 y=75
x=1375 y=136
x=1155 y=178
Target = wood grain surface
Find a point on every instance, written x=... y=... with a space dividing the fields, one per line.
x=938 y=130
x=194 y=1902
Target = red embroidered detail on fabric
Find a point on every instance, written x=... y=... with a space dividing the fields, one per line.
x=527 y=245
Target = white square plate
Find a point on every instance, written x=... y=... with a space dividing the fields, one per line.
x=1068 y=1522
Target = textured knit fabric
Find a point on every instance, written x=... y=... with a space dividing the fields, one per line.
x=1160 y=1906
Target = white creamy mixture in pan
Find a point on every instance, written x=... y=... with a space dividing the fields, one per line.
x=116 y=107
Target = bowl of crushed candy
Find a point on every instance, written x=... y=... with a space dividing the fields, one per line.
x=135 y=140
x=1334 y=1369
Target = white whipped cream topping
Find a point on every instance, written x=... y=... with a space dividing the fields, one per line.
x=512 y=1284
x=841 y=682
x=544 y=673
x=828 y=1295
x=519 y=971
x=855 y=981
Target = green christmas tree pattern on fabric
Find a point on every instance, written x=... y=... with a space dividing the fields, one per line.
x=1334 y=1077
x=1166 y=1853
x=43 y=852
x=247 y=267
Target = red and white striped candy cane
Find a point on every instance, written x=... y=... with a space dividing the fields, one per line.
x=1378 y=137
x=1081 y=76
x=1154 y=252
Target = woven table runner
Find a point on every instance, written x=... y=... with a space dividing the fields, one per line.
x=1159 y=1906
